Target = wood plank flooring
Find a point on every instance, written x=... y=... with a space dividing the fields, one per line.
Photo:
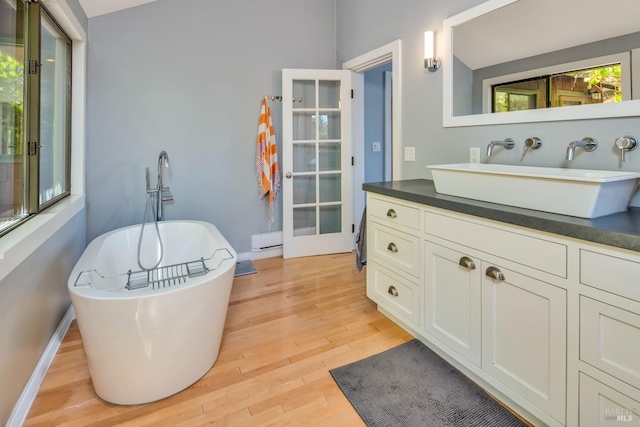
x=286 y=327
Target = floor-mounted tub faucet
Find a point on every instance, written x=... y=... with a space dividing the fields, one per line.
x=589 y=144
x=163 y=159
x=507 y=144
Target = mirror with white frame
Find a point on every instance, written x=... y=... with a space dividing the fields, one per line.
x=516 y=49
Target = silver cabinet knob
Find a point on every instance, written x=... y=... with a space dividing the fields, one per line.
x=392 y=291
x=626 y=143
x=392 y=247
x=392 y=214
x=288 y=175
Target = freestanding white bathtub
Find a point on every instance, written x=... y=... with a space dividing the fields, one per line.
x=144 y=343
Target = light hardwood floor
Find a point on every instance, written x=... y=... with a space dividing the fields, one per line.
x=286 y=327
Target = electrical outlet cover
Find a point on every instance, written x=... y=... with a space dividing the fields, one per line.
x=474 y=155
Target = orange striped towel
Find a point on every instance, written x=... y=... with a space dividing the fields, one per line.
x=267 y=160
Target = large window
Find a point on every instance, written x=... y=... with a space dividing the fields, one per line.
x=35 y=100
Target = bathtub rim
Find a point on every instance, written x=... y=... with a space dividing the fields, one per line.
x=92 y=249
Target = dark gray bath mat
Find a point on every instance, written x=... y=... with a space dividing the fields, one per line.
x=410 y=385
x=245 y=267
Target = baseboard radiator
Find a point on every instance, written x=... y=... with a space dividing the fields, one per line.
x=266 y=241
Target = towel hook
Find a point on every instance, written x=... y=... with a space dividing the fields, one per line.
x=279 y=98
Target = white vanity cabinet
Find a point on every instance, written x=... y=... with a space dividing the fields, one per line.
x=486 y=304
x=609 y=337
x=393 y=258
x=549 y=324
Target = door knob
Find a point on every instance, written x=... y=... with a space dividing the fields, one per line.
x=288 y=175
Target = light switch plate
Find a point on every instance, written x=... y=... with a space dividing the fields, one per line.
x=409 y=154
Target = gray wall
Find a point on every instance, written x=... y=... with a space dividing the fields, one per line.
x=364 y=25
x=374 y=128
x=33 y=300
x=188 y=78
x=462 y=89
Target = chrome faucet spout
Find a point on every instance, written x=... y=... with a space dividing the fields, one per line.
x=163 y=160
x=508 y=144
x=571 y=150
x=589 y=144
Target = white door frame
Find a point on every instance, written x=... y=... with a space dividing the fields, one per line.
x=372 y=59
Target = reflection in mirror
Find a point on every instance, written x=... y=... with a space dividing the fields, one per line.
x=593 y=85
x=525 y=58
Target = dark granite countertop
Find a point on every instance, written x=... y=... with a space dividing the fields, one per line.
x=621 y=230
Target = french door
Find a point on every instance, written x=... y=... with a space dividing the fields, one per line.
x=317 y=193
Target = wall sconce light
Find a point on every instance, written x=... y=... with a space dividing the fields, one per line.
x=431 y=62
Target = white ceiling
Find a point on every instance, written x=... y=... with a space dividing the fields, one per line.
x=101 y=7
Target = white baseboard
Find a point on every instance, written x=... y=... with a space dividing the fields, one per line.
x=267 y=253
x=22 y=406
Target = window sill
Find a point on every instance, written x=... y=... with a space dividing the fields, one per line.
x=19 y=244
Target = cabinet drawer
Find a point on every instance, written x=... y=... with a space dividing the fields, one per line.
x=394 y=292
x=610 y=340
x=621 y=276
x=543 y=255
x=399 y=249
x=602 y=406
x=394 y=213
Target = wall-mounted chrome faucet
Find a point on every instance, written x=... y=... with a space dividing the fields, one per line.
x=507 y=144
x=163 y=160
x=626 y=143
x=589 y=144
x=532 y=143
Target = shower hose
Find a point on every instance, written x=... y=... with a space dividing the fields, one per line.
x=148 y=203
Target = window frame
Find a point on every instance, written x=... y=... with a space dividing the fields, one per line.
x=34 y=14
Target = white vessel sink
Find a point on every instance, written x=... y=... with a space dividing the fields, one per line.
x=576 y=192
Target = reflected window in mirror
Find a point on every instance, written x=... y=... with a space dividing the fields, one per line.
x=596 y=85
x=528 y=94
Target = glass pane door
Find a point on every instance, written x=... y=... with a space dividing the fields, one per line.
x=317 y=146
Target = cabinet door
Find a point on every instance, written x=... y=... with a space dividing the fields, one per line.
x=610 y=339
x=452 y=299
x=524 y=337
x=602 y=406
